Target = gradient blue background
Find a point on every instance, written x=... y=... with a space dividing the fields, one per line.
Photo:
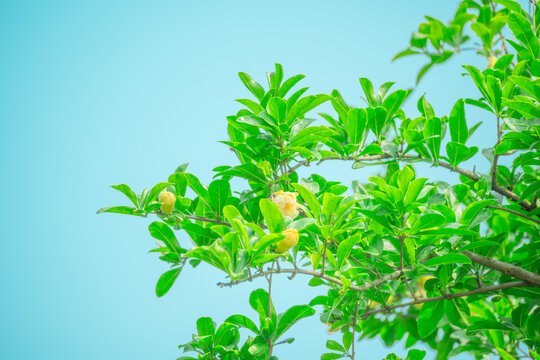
x=96 y=93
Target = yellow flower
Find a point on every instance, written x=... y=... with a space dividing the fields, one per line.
x=286 y=202
x=291 y=239
x=167 y=200
x=492 y=60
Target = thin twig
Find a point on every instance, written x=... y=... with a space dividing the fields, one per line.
x=369 y=285
x=514 y=212
x=409 y=287
x=324 y=257
x=449 y=296
x=354 y=329
x=400 y=157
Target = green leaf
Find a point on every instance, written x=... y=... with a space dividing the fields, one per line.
x=231 y=212
x=219 y=191
x=199 y=189
x=367 y=86
x=449 y=231
x=272 y=215
x=348 y=340
x=356 y=125
x=291 y=316
x=155 y=192
x=448 y=259
x=376 y=120
x=414 y=189
x=334 y=345
x=300 y=224
x=433 y=128
x=126 y=190
x=393 y=102
x=251 y=105
x=344 y=250
x=248 y=171
x=528 y=109
x=504 y=354
x=526 y=84
x=479 y=80
x=179 y=181
x=311 y=135
x=310 y=199
x=458 y=153
x=457 y=311
x=405 y=176
x=411 y=249
x=205 y=326
x=119 y=210
x=522 y=29
x=472 y=211
x=243 y=321
x=166 y=281
x=484 y=325
x=332 y=356
x=458 y=125
x=226 y=335
x=428 y=318
x=534 y=354
x=258 y=300
x=288 y=84
x=304 y=105
x=254 y=87
x=426 y=221
x=163 y=232
x=415 y=354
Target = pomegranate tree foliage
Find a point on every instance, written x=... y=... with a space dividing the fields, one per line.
x=453 y=266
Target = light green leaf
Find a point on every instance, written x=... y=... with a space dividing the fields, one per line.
x=254 y=87
x=243 y=321
x=272 y=215
x=291 y=316
x=163 y=232
x=166 y=281
x=458 y=125
x=126 y=190
x=310 y=199
x=356 y=123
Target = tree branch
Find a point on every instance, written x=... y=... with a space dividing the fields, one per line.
x=469 y=174
x=449 y=296
x=505 y=268
x=514 y=212
x=369 y=285
x=204 y=219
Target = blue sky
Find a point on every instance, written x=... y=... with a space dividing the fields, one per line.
x=96 y=93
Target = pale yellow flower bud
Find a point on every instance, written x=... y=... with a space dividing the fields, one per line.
x=286 y=202
x=291 y=239
x=167 y=200
x=492 y=60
